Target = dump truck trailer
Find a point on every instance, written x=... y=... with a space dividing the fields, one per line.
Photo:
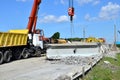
x=16 y=44
x=12 y=45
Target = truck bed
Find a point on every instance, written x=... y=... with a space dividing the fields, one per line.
x=13 y=38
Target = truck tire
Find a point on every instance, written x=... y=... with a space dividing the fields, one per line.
x=7 y=56
x=1 y=57
x=25 y=53
x=38 y=52
x=17 y=54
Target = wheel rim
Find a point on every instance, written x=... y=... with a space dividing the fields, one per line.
x=17 y=54
x=7 y=56
x=38 y=53
x=25 y=54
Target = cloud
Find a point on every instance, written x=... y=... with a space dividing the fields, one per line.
x=56 y=2
x=108 y=12
x=83 y=2
x=89 y=18
x=63 y=18
x=52 y=18
x=96 y=2
x=62 y=1
x=21 y=0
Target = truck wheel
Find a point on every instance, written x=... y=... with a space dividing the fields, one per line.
x=7 y=56
x=38 y=52
x=1 y=57
x=17 y=54
x=25 y=53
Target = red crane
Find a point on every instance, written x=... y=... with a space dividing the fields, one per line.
x=33 y=17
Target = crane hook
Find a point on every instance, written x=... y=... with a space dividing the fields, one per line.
x=71 y=10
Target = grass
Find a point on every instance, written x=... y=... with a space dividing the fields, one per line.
x=103 y=71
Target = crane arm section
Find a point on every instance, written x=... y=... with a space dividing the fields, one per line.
x=33 y=16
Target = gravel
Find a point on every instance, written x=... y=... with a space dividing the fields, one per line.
x=109 y=51
x=63 y=77
x=77 y=60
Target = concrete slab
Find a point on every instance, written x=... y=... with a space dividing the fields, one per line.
x=59 y=51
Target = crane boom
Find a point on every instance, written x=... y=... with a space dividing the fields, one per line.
x=33 y=17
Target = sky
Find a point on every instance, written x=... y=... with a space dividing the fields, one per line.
x=97 y=17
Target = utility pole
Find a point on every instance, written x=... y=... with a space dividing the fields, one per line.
x=114 y=45
x=114 y=33
x=84 y=33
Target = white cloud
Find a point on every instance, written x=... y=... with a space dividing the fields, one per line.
x=21 y=0
x=62 y=1
x=108 y=12
x=56 y=2
x=87 y=17
x=96 y=2
x=83 y=2
x=52 y=18
x=63 y=18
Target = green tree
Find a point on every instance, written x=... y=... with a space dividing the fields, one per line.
x=56 y=35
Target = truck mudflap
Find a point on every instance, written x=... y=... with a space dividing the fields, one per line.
x=59 y=51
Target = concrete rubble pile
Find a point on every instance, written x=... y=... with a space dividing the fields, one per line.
x=82 y=61
x=78 y=60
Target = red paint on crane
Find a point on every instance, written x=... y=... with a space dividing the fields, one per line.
x=33 y=17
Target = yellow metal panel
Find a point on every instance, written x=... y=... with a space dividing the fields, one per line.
x=18 y=39
x=1 y=39
x=25 y=31
x=4 y=39
x=13 y=39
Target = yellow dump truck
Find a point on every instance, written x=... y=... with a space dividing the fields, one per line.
x=11 y=43
x=16 y=44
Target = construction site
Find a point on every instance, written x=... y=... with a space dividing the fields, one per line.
x=27 y=54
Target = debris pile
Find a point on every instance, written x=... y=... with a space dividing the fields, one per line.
x=63 y=77
x=112 y=54
x=75 y=60
x=78 y=60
